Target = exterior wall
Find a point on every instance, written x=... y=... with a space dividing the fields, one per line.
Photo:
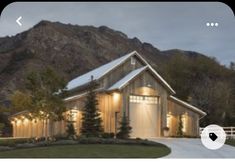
x=146 y=84
x=191 y=119
x=37 y=128
x=119 y=72
x=110 y=107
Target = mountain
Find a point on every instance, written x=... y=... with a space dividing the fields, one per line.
x=73 y=50
x=66 y=48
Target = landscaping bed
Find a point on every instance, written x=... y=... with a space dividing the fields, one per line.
x=84 y=148
x=89 y=151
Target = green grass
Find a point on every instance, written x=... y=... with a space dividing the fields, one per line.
x=230 y=142
x=89 y=151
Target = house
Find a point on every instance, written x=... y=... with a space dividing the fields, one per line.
x=127 y=85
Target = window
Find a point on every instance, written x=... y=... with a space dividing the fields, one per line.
x=144 y=99
x=184 y=123
x=133 y=60
x=168 y=121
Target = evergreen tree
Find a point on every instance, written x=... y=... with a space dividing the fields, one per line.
x=70 y=130
x=180 y=127
x=125 y=129
x=91 y=120
x=70 y=125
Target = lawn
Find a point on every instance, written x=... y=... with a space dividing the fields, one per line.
x=230 y=142
x=89 y=151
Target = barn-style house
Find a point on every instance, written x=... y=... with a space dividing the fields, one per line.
x=126 y=85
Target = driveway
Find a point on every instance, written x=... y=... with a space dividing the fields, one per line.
x=193 y=148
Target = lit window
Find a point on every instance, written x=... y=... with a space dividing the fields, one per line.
x=168 y=121
x=184 y=123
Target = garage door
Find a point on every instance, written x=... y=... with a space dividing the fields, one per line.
x=143 y=116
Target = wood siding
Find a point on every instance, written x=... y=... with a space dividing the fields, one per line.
x=191 y=119
x=146 y=84
x=37 y=128
x=120 y=72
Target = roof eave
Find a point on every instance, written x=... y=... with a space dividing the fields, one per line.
x=195 y=109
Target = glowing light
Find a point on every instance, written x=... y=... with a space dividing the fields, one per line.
x=168 y=121
x=26 y=121
x=184 y=129
x=30 y=115
x=116 y=97
x=35 y=120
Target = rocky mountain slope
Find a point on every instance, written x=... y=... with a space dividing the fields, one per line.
x=69 y=49
x=73 y=50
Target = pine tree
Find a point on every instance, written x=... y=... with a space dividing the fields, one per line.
x=70 y=130
x=91 y=120
x=125 y=129
x=180 y=126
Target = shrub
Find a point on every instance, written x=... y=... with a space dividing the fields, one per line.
x=13 y=142
x=180 y=126
x=166 y=128
x=71 y=133
x=108 y=135
x=64 y=142
x=89 y=140
x=125 y=129
x=138 y=138
x=60 y=137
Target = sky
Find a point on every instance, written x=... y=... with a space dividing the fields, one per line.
x=166 y=25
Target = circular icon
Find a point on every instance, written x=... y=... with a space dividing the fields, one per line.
x=213 y=137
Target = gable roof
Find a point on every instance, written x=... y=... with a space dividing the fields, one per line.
x=97 y=73
x=122 y=82
x=185 y=104
x=106 y=68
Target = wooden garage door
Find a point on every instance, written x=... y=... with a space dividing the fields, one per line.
x=143 y=116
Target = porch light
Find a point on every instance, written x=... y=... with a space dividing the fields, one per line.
x=22 y=118
x=26 y=120
x=18 y=121
x=116 y=97
x=35 y=120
